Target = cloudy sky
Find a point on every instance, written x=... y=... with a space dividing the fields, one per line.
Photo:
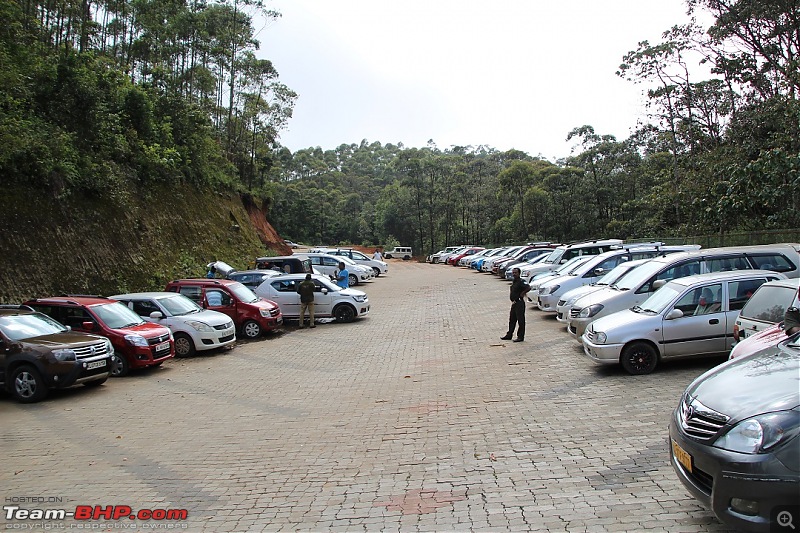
x=503 y=73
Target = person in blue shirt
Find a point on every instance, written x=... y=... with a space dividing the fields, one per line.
x=343 y=276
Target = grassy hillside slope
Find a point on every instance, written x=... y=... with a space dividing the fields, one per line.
x=135 y=242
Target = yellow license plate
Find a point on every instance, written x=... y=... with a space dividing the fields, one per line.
x=682 y=456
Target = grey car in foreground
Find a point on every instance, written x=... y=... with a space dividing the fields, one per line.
x=735 y=439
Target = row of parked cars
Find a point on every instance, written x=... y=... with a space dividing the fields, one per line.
x=61 y=341
x=734 y=438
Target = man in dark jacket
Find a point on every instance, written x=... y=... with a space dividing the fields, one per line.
x=517 y=315
x=306 y=291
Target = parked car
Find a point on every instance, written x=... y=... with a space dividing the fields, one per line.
x=252 y=278
x=472 y=250
x=509 y=269
x=136 y=343
x=591 y=271
x=328 y=265
x=400 y=252
x=765 y=338
x=766 y=307
x=434 y=258
x=291 y=244
x=477 y=263
x=735 y=439
x=568 y=299
x=564 y=253
x=466 y=261
x=523 y=259
x=37 y=354
x=639 y=284
x=688 y=316
x=378 y=267
x=509 y=251
x=330 y=300
x=193 y=327
x=293 y=264
x=573 y=265
x=251 y=315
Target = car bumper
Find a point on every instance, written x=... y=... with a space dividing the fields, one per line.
x=216 y=339
x=577 y=327
x=604 y=354
x=547 y=303
x=562 y=314
x=715 y=477
x=271 y=323
x=68 y=373
x=155 y=355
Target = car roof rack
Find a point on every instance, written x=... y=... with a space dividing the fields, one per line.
x=17 y=306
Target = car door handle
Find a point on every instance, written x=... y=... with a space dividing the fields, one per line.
x=714 y=321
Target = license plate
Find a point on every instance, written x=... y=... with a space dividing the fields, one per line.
x=279 y=321
x=682 y=456
x=95 y=364
x=162 y=346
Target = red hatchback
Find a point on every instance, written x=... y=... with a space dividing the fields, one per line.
x=251 y=314
x=137 y=344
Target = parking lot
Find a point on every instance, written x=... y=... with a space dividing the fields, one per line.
x=415 y=418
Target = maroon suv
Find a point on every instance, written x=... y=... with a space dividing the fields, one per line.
x=251 y=314
x=137 y=344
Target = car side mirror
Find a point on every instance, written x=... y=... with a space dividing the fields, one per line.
x=156 y=315
x=324 y=290
x=672 y=315
x=599 y=271
x=88 y=326
x=657 y=284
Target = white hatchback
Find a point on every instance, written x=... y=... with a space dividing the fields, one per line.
x=193 y=327
x=330 y=300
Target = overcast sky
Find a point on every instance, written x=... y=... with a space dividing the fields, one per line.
x=504 y=73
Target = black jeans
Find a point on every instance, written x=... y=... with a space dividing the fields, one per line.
x=517 y=317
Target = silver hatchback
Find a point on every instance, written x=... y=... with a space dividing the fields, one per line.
x=688 y=316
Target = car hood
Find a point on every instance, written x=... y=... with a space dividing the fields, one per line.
x=579 y=292
x=763 y=339
x=597 y=297
x=212 y=318
x=620 y=323
x=351 y=292
x=56 y=340
x=768 y=380
x=146 y=330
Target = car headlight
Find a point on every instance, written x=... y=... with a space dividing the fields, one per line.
x=590 y=311
x=64 y=355
x=760 y=433
x=600 y=337
x=199 y=326
x=360 y=297
x=548 y=290
x=136 y=340
x=109 y=346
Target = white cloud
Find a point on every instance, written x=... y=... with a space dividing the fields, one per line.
x=508 y=74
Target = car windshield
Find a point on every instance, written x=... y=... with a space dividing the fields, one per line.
x=618 y=272
x=117 y=315
x=179 y=305
x=359 y=255
x=555 y=255
x=19 y=327
x=637 y=276
x=243 y=293
x=570 y=265
x=660 y=299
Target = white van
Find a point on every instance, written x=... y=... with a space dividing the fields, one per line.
x=766 y=307
x=635 y=287
x=399 y=252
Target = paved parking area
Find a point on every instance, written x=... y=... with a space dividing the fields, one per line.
x=416 y=418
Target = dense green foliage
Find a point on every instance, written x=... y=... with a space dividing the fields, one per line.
x=95 y=97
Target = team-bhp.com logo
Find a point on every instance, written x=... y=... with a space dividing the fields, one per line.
x=94 y=512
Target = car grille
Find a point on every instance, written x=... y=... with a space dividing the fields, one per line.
x=561 y=302
x=226 y=338
x=274 y=312
x=158 y=340
x=589 y=335
x=93 y=350
x=573 y=313
x=224 y=326
x=699 y=421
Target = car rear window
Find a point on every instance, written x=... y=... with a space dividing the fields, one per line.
x=769 y=303
x=776 y=262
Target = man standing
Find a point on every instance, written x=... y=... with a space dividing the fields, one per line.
x=517 y=315
x=377 y=255
x=306 y=291
x=342 y=276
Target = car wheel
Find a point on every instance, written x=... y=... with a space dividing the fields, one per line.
x=95 y=383
x=406 y=257
x=119 y=365
x=435 y=260
x=184 y=347
x=251 y=329
x=27 y=385
x=353 y=280
x=344 y=313
x=639 y=358
x=377 y=271
x=388 y=256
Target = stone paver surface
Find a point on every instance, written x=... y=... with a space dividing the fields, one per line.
x=415 y=418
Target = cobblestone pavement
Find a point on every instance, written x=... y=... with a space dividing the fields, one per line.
x=415 y=418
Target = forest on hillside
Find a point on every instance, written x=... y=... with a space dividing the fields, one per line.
x=101 y=99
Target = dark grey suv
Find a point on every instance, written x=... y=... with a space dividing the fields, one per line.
x=735 y=439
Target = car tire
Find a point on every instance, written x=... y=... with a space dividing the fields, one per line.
x=406 y=257
x=251 y=329
x=435 y=260
x=639 y=358
x=352 y=280
x=27 y=385
x=388 y=256
x=119 y=365
x=344 y=313
x=377 y=271
x=95 y=383
x=184 y=345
